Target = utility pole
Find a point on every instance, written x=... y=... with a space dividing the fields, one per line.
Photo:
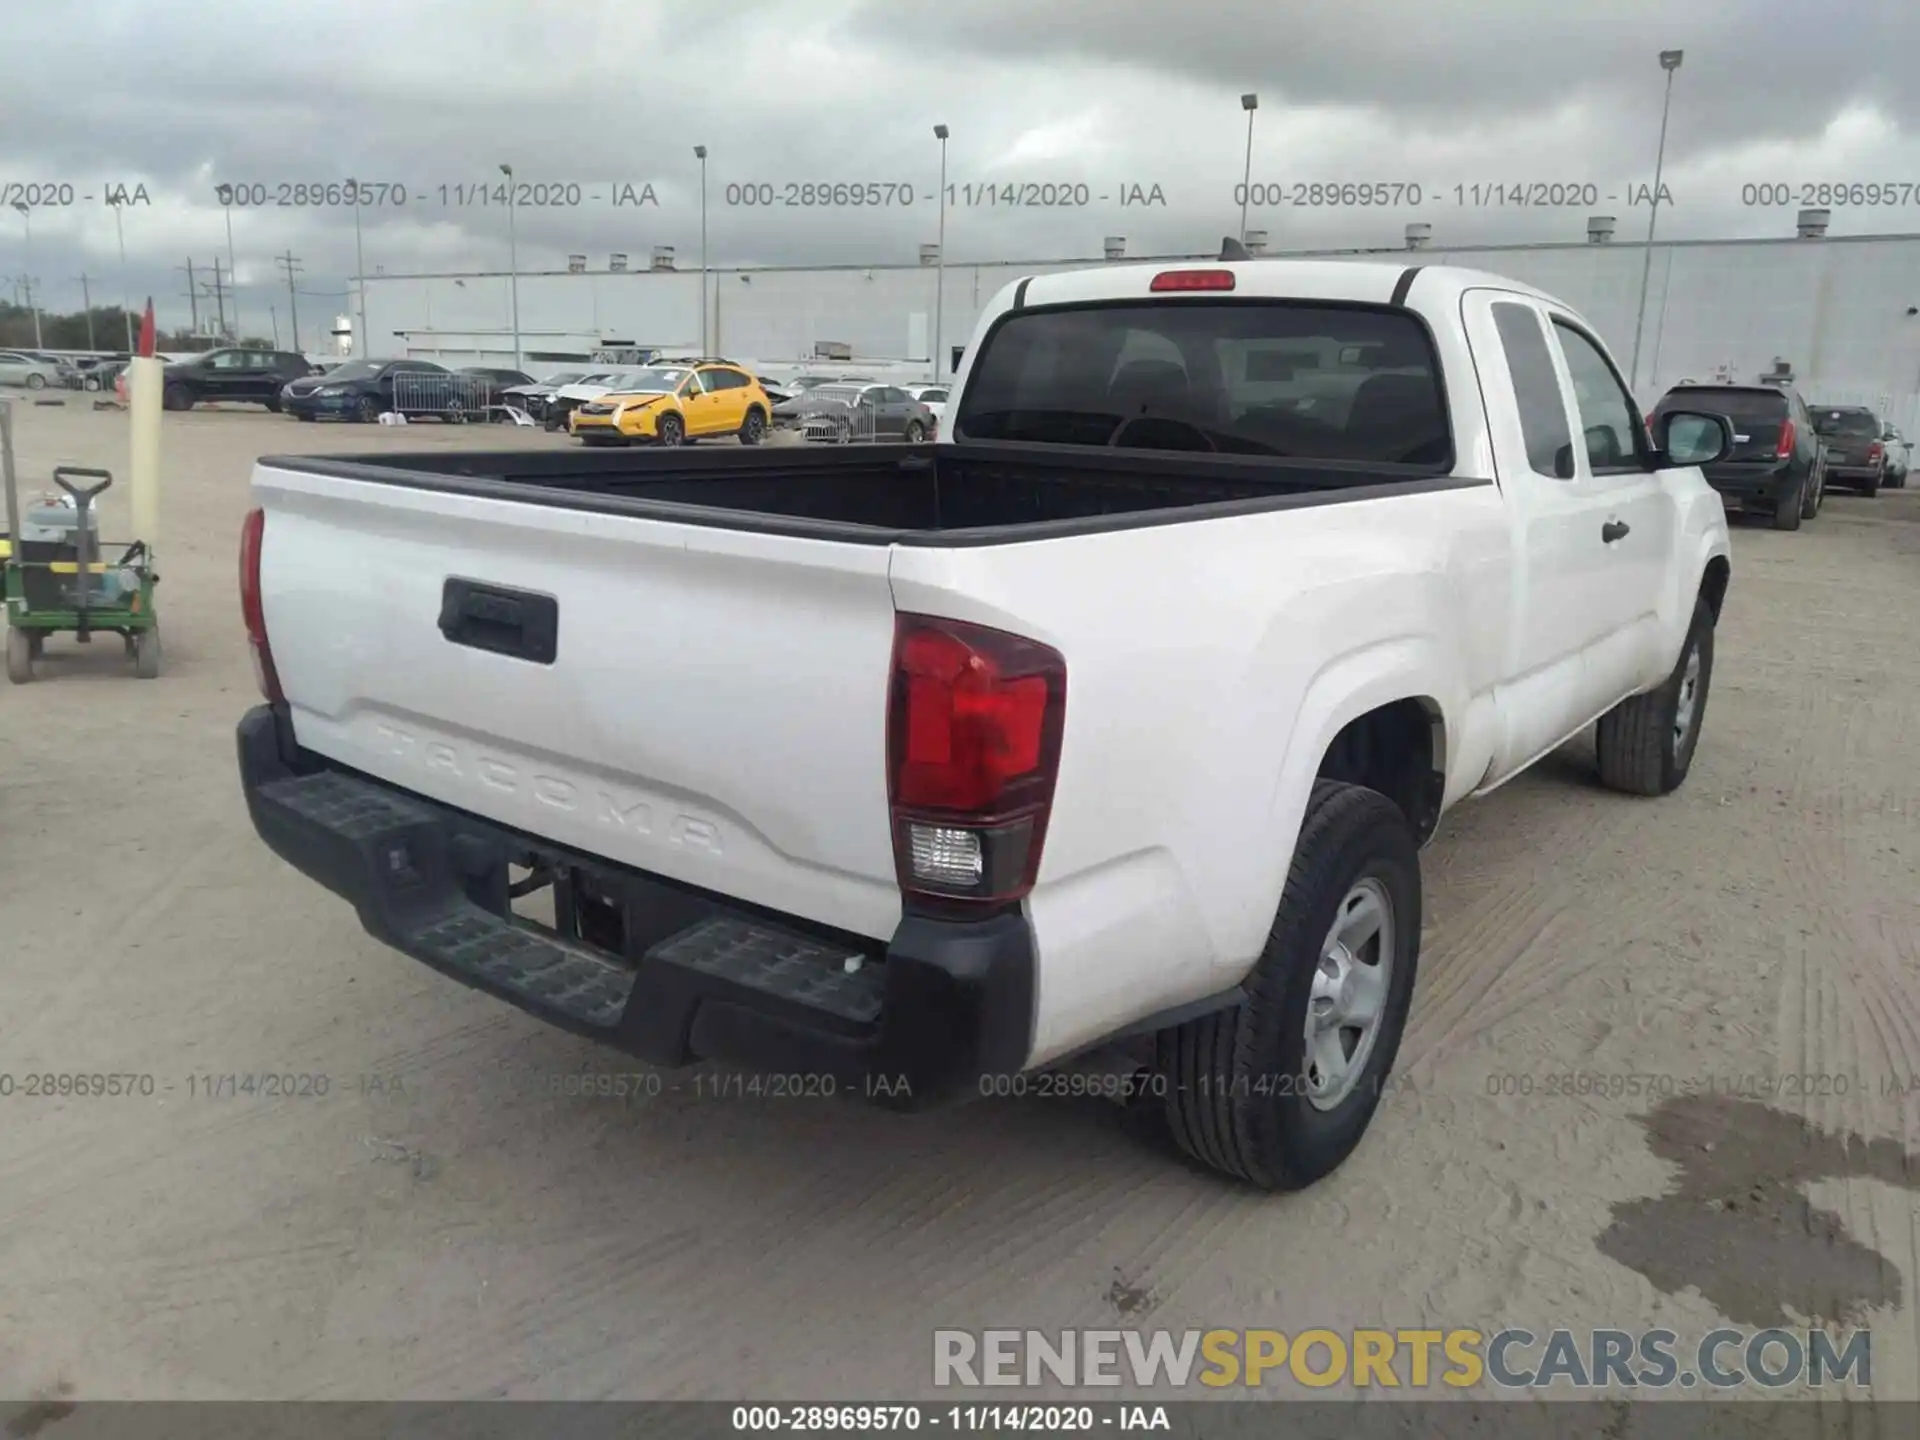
x=290 y=263
x=273 y=314
x=193 y=299
x=220 y=300
x=86 y=300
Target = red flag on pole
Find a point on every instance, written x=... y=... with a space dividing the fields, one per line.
x=146 y=331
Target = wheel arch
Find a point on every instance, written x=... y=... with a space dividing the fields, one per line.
x=1387 y=717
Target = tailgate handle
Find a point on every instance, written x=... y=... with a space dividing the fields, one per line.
x=519 y=623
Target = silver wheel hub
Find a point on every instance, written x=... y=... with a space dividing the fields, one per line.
x=1349 y=996
x=1687 y=703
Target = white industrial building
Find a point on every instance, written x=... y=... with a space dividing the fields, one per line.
x=1840 y=314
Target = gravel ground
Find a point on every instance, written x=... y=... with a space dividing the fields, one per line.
x=1735 y=972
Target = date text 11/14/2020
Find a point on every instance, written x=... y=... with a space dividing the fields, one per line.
x=1412 y=194
x=965 y=195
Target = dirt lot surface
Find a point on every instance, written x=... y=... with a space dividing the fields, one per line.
x=1663 y=1069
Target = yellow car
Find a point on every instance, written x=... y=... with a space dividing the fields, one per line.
x=670 y=404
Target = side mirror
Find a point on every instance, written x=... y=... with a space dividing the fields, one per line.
x=1691 y=437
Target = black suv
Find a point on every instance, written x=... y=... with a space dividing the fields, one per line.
x=254 y=377
x=1778 y=464
x=1856 y=453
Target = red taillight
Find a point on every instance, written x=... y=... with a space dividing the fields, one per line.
x=1785 y=447
x=1193 y=280
x=973 y=746
x=252 y=531
x=1874 y=451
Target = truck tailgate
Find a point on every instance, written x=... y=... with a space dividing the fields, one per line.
x=714 y=709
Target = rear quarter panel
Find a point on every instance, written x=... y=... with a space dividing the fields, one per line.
x=1209 y=664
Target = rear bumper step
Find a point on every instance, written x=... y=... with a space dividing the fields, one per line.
x=673 y=975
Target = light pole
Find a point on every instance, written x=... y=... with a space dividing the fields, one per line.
x=126 y=303
x=360 y=265
x=233 y=273
x=26 y=218
x=700 y=152
x=513 y=266
x=1669 y=62
x=940 y=256
x=1248 y=103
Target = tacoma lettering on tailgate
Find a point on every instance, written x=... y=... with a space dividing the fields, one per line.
x=625 y=813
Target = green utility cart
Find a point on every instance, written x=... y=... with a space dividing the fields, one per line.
x=56 y=581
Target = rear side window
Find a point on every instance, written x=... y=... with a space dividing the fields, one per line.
x=1607 y=418
x=1536 y=389
x=1285 y=379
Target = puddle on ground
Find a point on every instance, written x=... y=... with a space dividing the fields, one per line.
x=1738 y=1225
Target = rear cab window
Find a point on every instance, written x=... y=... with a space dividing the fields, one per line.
x=1853 y=424
x=1281 y=379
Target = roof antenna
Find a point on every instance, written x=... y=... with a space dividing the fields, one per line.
x=1232 y=249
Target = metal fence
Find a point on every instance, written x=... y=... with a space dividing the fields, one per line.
x=829 y=421
x=453 y=397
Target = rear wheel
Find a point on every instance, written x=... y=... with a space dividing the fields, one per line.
x=1816 y=495
x=1789 y=509
x=19 y=656
x=915 y=433
x=1870 y=488
x=754 y=428
x=273 y=405
x=146 y=653
x=1279 y=1089
x=1645 y=744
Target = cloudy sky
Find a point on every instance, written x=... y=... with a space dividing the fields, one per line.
x=1467 y=102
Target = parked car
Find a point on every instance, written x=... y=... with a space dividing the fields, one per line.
x=96 y=372
x=532 y=397
x=934 y=397
x=839 y=414
x=1856 y=455
x=1778 y=463
x=563 y=401
x=255 y=377
x=106 y=375
x=359 y=390
x=672 y=405
x=494 y=382
x=1122 y=711
x=1899 y=452
x=17 y=368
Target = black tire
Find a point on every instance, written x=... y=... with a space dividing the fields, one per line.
x=753 y=429
x=19 y=656
x=176 y=397
x=671 y=430
x=1639 y=744
x=273 y=405
x=301 y=415
x=1816 y=497
x=36 y=382
x=915 y=432
x=146 y=654
x=1236 y=1091
x=1788 y=509
x=367 y=410
x=1870 y=488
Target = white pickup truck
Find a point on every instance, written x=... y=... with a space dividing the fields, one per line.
x=1119 y=714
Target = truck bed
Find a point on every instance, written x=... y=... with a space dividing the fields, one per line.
x=952 y=494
